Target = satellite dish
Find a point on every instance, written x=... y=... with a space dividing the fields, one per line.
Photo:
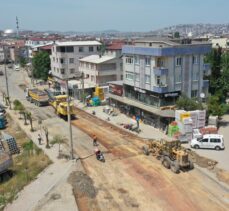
x=202 y=95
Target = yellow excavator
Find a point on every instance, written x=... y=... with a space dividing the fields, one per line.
x=60 y=104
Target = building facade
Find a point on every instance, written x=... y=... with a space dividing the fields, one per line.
x=100 y=69
x=65 y=58
x=157 y=72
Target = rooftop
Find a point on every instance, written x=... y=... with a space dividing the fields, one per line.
x=115 y=46
x=170 y=41
x=77 y=43
x=97 y=59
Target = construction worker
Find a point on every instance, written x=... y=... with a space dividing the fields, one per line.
x=94 y=140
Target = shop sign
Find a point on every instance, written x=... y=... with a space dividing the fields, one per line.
x=139 y=90
x=175 y=94
x=117 y=90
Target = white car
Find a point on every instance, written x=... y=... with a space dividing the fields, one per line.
x=209 y=141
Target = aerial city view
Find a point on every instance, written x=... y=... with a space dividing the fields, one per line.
x=114 y=105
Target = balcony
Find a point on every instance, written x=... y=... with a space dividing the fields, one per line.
x=159 y=71
x=207 y=67
x=205 y=83
x=160 y=89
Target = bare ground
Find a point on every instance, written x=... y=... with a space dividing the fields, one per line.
x=130 y=181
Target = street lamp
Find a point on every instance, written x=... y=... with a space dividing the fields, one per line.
x=68 y=109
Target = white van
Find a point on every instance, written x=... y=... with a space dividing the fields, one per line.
x=209 y=141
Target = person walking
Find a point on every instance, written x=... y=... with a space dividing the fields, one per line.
x=39 y=139
x=95 y=140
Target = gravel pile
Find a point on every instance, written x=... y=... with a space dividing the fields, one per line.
x=82 y=184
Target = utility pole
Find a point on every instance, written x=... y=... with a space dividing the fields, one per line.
x=68 y=109
x=83 y=93
x=7 y=85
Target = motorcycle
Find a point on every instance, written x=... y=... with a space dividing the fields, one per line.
x=100 y=156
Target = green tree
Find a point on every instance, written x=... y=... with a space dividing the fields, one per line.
x=41 y=65
x=188 y=104
x=215 y=107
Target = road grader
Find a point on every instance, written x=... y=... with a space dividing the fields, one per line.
x=171 y=154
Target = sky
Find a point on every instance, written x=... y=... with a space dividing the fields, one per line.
x=97 y=15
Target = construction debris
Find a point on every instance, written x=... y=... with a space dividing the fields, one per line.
x=82 y=185
x=202 y=161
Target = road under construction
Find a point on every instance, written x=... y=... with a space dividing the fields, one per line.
x=130 y=180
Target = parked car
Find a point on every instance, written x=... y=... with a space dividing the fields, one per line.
x=209 y=141
x=1 y=72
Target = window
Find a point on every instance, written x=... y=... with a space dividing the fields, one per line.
x=147 y=61
x=53 y=59
x=215 y=140
x=137 y=76
x=129 y=76
x=194 y=93
x=62 y=60
x=57 y=70
x=92 y=78
x=81 y=49
x=178 y=77
x=195 y=60
x=62 y=71
x=195 y=75
x=69 y=49
x=91 y=48
x=205 y=140
x=129 y=60
x=56 y=59
x=54 y=69
x=72 y=70
x=178 y=61
x=158 y=80
x=147 y=79
x=136 y=60
x=71 y=60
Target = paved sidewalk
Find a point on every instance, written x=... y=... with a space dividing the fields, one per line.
x=53 y=176
x=147 y=131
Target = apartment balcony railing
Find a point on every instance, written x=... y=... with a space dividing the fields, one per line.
x=161 y=88
x=159 y=71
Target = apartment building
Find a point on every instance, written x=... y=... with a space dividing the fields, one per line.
x=100 y=69
x=32 y=42
x=65 y=58
x=158 y=70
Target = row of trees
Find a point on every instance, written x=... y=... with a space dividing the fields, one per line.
x=219 y=78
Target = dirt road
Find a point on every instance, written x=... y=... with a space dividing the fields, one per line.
x=130 y=181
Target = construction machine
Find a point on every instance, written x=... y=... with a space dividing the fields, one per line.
x=171 y=154
x=60 y=104
x=36 y=96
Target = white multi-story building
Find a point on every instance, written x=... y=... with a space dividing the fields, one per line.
x=100 y=69
x=65 y=57
x=35 y=41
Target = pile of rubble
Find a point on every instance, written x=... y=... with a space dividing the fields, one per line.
x=82 y=185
